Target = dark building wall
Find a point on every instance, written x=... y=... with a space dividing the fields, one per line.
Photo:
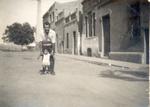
x=123 y=44
x=129 y=46
x=120 y=30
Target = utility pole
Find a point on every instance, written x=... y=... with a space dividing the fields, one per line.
x=39 y=26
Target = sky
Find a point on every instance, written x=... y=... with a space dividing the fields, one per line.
x=21 y=11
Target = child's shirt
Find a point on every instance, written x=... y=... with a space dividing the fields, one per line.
x=46 y=59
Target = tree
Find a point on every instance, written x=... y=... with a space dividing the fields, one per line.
x=20 y=34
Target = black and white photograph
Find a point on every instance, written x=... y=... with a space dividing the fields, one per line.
x=74 y=53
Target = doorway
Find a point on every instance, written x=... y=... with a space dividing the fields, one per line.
x=147 y=45
x=74 y=43
x=106 y=34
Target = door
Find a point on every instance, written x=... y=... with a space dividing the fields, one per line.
x=106 y=34
x=147 y=45
x=75 y=42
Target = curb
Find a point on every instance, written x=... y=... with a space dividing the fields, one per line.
x=108 y=62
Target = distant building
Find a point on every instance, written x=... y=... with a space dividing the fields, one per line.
x=52 y=17
x=56 y=16
x=116 y=29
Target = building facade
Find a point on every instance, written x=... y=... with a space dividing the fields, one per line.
x=90 y=34
x=72 y=37
x=60 y=32
x=116 y=29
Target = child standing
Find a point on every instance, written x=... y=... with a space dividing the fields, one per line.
x=46 y=53
x=46 y=60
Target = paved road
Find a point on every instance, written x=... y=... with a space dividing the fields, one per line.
x=76 y=84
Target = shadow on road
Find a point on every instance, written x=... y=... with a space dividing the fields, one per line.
x=125 y=75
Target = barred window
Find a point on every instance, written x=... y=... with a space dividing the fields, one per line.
x=67 y=19
x=86 y=25
x=94 y=25
x=90 y=23
x=73 y=16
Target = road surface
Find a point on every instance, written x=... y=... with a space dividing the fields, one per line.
x=76 y=84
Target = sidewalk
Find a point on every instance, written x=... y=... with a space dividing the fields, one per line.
x=109 y=62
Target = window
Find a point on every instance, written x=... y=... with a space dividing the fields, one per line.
x=94 y=25
x=135 y=20
x=73 y=16
x=75 y=41
x=50 y=18
x=57 y=18
x=90 y=23
x=60 y=15
x=67 y=40
x=67 y=19
x=86 y=25
x=74 y=33
x=53 y=16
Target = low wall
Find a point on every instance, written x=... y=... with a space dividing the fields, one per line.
x=10 y=47
x=128 y=57
x=16 y=48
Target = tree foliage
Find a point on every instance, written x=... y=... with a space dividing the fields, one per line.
x=20 y=34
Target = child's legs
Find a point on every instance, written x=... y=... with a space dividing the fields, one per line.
x=44 y=68
x=52 y=63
